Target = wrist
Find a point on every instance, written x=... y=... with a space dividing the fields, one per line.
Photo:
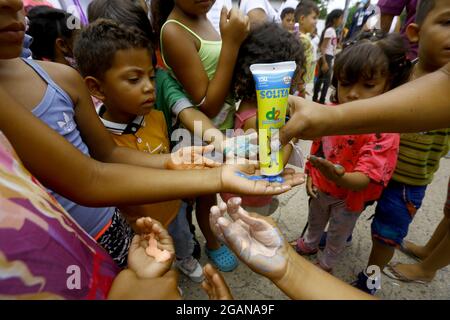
x=294 y=272
x=217 y=178
x=340 y=180
x=328 y=121
x=230 y=46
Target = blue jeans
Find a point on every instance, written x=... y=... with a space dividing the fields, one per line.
x=181 y=234
x=395 y=211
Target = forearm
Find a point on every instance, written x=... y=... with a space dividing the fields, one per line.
x=386 y=22
x=287 y=151
x=355 y=181
x=399 y=110
x=64 y=169
x=219 y=87
x=323 y=49
x=304 y=281
x=191 y=118
x=138 y=158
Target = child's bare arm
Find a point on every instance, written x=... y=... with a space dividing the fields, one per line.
x=182 y=56
x=325 y=67
x=66 y=170
x=190 y=116
x=398 y=110
x=287 y=151
x=355 y=181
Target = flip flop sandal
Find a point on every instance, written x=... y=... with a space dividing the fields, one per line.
x=408 y=252
x=393 y=273
x=222 y=258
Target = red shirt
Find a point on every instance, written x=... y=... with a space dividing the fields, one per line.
x=375 y=155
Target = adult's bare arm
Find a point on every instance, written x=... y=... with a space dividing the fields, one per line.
x=423 y=104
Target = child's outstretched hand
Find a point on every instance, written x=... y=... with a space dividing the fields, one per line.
x=191 y=158
x=151 y=234
x=253 y=238
x=234 y=26
x=329 y=170
x=234 y=182
x=214 y=284
x=311 y=189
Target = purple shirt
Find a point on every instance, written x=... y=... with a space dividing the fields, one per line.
x=395 y=8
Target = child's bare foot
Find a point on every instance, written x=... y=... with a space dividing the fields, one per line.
x=215 y=285
x=414 y=250
x=411 y=273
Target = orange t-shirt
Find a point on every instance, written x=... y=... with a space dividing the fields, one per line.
x=147 y=134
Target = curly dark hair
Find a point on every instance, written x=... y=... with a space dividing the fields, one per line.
x=268 y=43
x=372 y=53
x=98 y=43
x=46 y=26
x=127 y=12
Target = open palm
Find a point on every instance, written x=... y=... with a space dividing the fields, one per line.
x=191 y=158
x=253 y=238
x=139 y=261
x=233 y=181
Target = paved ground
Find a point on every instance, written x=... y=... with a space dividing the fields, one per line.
x=292 y=216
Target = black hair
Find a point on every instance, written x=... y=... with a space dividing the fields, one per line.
x=46 y=26
x=329 y=22
x=161 y=10
x=127 y=12
x=286 y=11
x=98 y=43
x=267 y=43
x=305 y=8
x=373 y=53
x=423 y=9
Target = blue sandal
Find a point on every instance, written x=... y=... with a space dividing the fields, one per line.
x=222 y=258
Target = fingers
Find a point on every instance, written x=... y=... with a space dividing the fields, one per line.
x=340 y=171
x=255 y=221
x=236 y=238
x=310 y=189
x=289 y=131
x=208 y=290
x=294 y=127
x=164 y=239
x=270 y=188
x=233 y=205
x=214 y=284
x=222 y=291
x=327 y=166
x=223 y=17
x=215 y=214
x=144 y=225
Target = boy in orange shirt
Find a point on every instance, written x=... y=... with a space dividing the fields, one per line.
x=116 y=62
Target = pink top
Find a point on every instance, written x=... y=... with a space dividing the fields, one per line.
x=375 y=155
x=252 y=201
x=28 y=4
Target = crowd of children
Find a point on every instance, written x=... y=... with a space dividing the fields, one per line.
x=152 y=68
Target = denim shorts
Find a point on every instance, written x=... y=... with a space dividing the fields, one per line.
x=395 y=211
